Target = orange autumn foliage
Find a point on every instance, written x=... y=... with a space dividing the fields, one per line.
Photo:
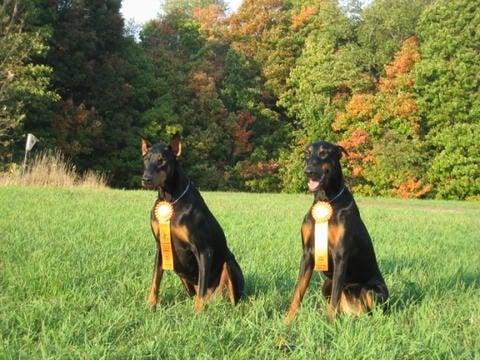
x=360 y=106
x=353 y=144
x=404 y=59
x=260 y=169
x=299 y=20
x=412 y=188
x=203 y=84
x=248 y=25
x=391 y=109
x=398 y=72
x=210 y=18
x=241 y=133
x=254 y=17
x=357 y=171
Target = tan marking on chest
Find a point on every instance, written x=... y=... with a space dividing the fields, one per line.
x=335 y=233
x=181 y=233
x=307 y=230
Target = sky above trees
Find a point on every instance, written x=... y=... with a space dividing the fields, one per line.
x=144 y=10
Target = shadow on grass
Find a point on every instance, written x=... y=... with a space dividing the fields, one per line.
x=409 y=293
x=257 y=285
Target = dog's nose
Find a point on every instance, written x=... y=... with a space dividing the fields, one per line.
x=146 y=180
x=309 y=172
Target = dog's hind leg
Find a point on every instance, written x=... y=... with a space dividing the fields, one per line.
x=327 y=289
x=189 y=287
x=156 y=278
x=357 y=299
x=232 y=280
x=237 y=278
x=376 y=295
x=351 y=304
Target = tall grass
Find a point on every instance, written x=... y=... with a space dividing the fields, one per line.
x=52 y=169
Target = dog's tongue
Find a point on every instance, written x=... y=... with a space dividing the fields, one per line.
x=313 y=184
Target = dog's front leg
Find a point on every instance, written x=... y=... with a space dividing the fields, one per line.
x=156 y=278
x=304 y=276
x=204 y=259
x=338 y=281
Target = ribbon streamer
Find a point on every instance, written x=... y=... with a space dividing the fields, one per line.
x=163 y=213
x=321 y=212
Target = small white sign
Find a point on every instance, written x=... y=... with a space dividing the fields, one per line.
x=31 y=141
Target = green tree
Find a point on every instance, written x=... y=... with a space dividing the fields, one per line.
x=381 y=131
x=447 y=83
x=384 y=25
x=326 y=73
x=187 y=6
x=103 y=80
x=187 y=75
x=22 y=82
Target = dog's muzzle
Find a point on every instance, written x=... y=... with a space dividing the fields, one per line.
x=315 y=180
x=147 y=182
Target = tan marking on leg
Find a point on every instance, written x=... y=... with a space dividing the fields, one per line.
x=222 y=283
x=356 y=305
x=230 y=289
x=368 y=299
x=198 y=304
x=350 y=305
x=152 y=298
x=298 y=295
x=156 y=278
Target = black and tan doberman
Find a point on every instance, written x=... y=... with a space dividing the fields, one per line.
x=353 y=281
x=201 y=256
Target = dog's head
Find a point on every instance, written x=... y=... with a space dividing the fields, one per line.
x=323 y=165
x=160 y=162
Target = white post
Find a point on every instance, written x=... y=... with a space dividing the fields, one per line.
x=31 y=141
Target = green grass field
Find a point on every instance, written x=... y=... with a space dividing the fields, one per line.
x=75 y=268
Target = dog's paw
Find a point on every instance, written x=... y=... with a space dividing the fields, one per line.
x=198 y=304
x=331 y=312
x=152 y=301
x=289 y=318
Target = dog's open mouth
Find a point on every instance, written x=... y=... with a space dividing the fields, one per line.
x=147 y=185
x=314 y=183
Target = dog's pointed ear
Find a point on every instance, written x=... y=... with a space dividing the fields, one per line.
x=145 y=146
x=176 y=145
x=341 y=150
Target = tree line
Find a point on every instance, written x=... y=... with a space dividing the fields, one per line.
x=396 y=83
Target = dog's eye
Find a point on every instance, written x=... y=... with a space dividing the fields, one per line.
x=323 y=153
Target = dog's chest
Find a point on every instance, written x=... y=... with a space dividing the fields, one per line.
x=335 y=233
x=180 y=233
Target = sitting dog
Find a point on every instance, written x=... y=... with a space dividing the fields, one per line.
x=353 y=280
x=200 y=254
